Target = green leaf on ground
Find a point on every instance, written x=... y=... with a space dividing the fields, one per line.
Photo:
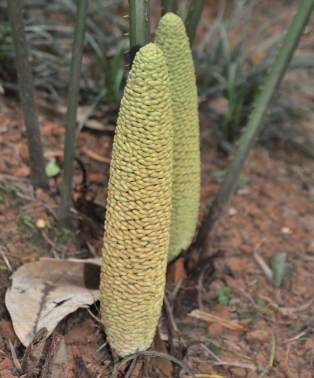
x=52 y=169
x=280 y=268
x=222 y=299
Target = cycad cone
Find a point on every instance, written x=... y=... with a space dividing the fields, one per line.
x=174 y=43
x=137 y=227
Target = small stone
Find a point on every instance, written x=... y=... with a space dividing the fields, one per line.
x=6 y=364
x=257 y=336
x=237 y=265
x=286 y=230
x=252 y=374
x=309 y=344
x=238 y=372
x=214 y=330
x=232 y=212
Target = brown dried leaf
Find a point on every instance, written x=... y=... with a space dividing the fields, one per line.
x=45 y=291
x=95 y=156
x=198 y=314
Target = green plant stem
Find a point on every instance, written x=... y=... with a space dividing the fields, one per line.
x=168 y=6
x=69 y=144
x=193 y=17
x=27 y=92
x=253 y=127
x=139 y=25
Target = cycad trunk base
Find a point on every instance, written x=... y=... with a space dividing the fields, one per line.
x=174 y=43
x=137 y=223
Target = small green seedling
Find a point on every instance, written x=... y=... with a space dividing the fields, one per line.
x=280 y=268
x=27 y=220
x=222 y=298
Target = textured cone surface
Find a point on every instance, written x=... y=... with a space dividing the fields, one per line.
x=174 y=43
x=137 y=227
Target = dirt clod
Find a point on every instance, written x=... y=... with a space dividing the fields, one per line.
x=252 y=374
x=238 y=372
x=6 y=364
x=258 y=336
x=309 y=344
x=214 y=330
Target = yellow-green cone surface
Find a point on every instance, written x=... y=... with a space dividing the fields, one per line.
x=174 y=43
x=137 y=227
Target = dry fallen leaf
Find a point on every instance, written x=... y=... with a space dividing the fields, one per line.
x=45 y=291
x=198 y=314
x=95 y=156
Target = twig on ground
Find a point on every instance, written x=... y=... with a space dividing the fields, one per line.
x=216 y=319
x=248 y=296
x=301 y=308
x=51 y=242
x=6 y=260
x=95 y=156
x=131 y=368
x=93 y=316
x=6 y=246
x=265 y=268
x=176 y=289
x=13 y=178
x=170 y=315
x=287 y=356
x=153 y=354
x=272 y=303
x=232 y=345
x=208 y=376
x=199 y=287
x=15 y=360
x=236 y=364
x=173 y=331
x=211 y=353
x=102 y=346
x=296 y=337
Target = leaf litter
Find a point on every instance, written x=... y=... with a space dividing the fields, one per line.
x=46 y=291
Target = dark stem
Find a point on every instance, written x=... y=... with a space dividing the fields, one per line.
x=69 y=144
x=253 y=127
x=27 y=93
x=153 y=354
x=193 y=17
x=168 y=6
x=139 y=25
